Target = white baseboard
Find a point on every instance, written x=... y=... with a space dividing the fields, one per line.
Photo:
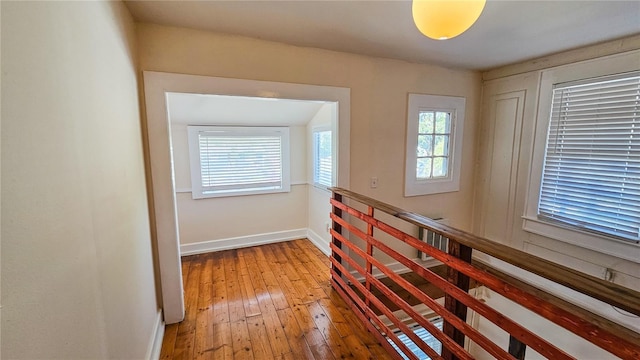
x=319 y=242
x=396 y=267
x=155 y=345
x=241 y=241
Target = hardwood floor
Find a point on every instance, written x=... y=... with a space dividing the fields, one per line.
x=266 y=302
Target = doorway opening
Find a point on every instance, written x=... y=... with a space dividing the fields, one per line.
x=170 y=190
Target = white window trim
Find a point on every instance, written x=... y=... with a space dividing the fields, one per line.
x=420 y=102
x=195 y=166
x=314 y=130
x=531 y=223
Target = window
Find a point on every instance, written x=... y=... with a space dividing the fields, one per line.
x=434 y=132
x=591 y=174
x=552 y=228
x=322 y=160
x=230 y=161
x=434 y=144
x=424 y=335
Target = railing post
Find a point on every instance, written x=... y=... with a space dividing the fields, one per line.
x=369 y=267
x=459 y=309
x=338 y=229
x=516 y=348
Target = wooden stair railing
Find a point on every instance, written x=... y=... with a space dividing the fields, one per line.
x=612 y=337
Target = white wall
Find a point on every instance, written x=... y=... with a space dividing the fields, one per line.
x=222 y=218
x=77 y=269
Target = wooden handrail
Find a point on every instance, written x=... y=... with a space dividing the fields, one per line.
x=540 y=345
x=610 y=336
x=608 y=292
x=606 y=324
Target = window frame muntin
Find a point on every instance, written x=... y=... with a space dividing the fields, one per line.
x=424 y=102
x=433 y=134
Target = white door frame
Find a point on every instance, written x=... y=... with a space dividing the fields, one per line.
x=156 y=85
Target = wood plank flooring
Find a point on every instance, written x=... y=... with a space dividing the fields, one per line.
x=267 y=302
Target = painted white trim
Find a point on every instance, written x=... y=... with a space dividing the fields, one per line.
x=293 y=183
x=155 y=345
x=319 y=242
x=617 y=46
x=241 y=241
x=397 y=268
x=606 y=245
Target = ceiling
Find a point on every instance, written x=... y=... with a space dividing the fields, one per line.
x=197 y=109
x=507 y=31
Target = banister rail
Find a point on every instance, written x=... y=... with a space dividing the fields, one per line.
x=609 y=336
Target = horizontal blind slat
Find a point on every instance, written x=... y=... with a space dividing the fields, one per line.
x=322 y=167
x=591 y=175
x=239 y=162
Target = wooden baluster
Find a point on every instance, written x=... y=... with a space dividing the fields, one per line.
x=369 y=267
x=516 y=348
x=337 y=228
x=459 y=309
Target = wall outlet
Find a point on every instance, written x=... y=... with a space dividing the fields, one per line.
x=328 y=226
x=374 y=182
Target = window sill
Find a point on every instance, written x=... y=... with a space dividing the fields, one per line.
x=602 y=244
x=188 y=190
x=198 y=196
x=321 y=187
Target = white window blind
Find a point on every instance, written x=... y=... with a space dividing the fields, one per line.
x=322 y=160
x=230 y=161
x=591 y=176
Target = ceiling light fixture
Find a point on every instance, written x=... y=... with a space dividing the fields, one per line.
x=445 y=19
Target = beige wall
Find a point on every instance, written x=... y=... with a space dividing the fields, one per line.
x=77 y=271
x=379 y=90
x=229 y=217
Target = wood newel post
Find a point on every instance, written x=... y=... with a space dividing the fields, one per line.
x=369 y=267
x=338 y=229
x=459 y=309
